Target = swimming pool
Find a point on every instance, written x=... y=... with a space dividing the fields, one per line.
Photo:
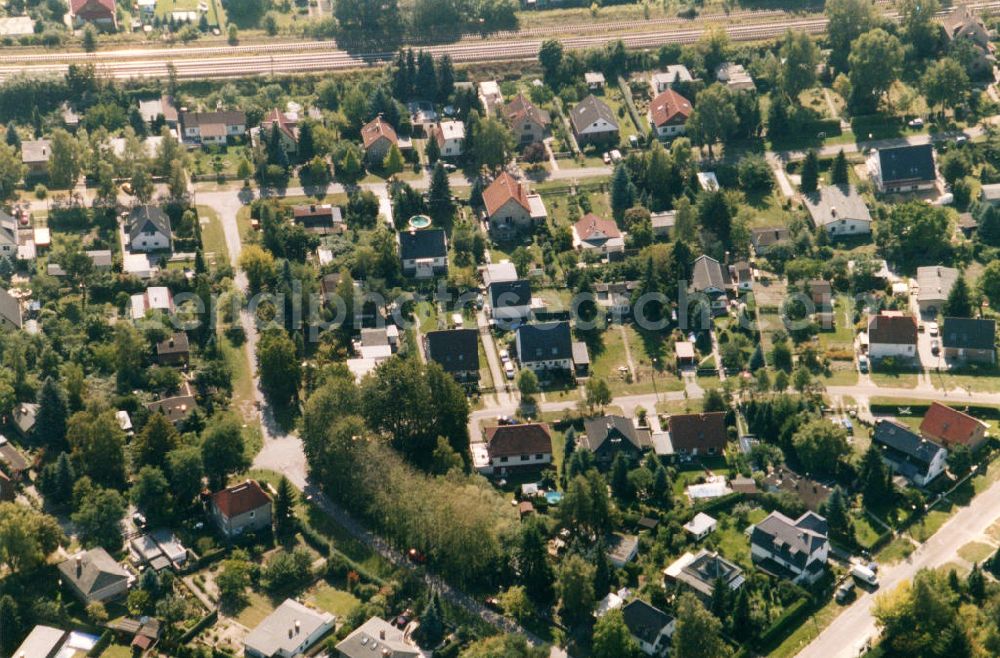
x=553 y=497
x=420 y=221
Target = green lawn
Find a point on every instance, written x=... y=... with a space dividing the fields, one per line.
x=258 y=607
x=332 y=600
x=730 y=540
x=895 y=379
x=807 y=631
x=213 y=239
x=897 y=550
x=931 y=523
x=243 y=393
x=975 y=552
x=865 y=531
x=117 y=651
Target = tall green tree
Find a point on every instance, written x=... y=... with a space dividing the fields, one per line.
x=820 y=445
x=157 y=438
x=27 y=537
x=53 y=412
x=848 y=19
x=714 y=116
x=875 y=479
x=65 y=159
x=800 y=56
x=492 y=144
x=576 y=590
x=284 y=506
x=698 y=633
x=439 y=202
x=839 y=170
x=876 y=59
x=945 y=84
x=98 y=516
x=278 y=366
x=223 y=450
x=10 y=625
x=959 y=302
x=810 y=173
x=532 y=563
x=612 y=638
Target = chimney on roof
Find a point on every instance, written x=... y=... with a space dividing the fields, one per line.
x=79 y=565
x=381 y=634
x=833 y=211
x=298 y=627
x=312 y=207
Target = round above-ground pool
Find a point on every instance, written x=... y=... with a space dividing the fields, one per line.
x=420 y=221
x=553 y=497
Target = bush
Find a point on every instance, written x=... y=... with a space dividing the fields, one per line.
x=790 y=618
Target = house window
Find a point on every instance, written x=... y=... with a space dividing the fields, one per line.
x=252 y=513
x=503 y=460
x=525 y=458
x=539 y=456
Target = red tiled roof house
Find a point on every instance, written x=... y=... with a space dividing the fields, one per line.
x=951 y=427
x=892 y=334
x=378 y=137
x=100 y=13
x=288 y=130
x=241 y=508
x=519 y=446
x=668 y=114
x=510 y=207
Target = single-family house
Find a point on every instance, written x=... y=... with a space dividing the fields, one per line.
x=509 y=301
x=12 y=461
x=649 y=626
x=734 y=76
x=490 y=96
x=525 y=445
x=174 y=350
x=377 y=137
x=990 y=194
x=318 y=217
x=951 y=427
x=668 y=114
x=698 y=434
x=156 y=298
x=291 y=630
x=663 y=223
x=423 y=253
x=594 y=79
x=701 y=526
x=100 y=13
x=8 y=236
x=25 y=415
x=608 y=436
x=709 y=278
x=615 y=297
x=176 y=408
x=526 y=122
x=666 y=79
x=35 y=156
x=839 y=210
x=288 y=129
x=94 y=576
x=456 y=351
x=8 y=492
x=763 y=239
x=684 y=352
x=545 y=346
x=934 y=284
x=969 y=339
x=892 y=334
x=907 y=453
x=701 y=571
x=903 y=169
x=10 y=311
x=450 y=136
x=593 y=122
x=241 y=508
x=213 y=127
x=152 y=108
x=377 y=638
x=148 y=229
x=794 y=549
x=622 y=548
x=961 y=24
x=43 y=642
x=593 y=233
x=510 y=206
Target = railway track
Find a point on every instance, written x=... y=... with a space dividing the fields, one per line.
x=316 y=56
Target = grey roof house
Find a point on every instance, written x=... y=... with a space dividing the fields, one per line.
x=907 y=453
x=593 y=122
x=608 y=436
x=839 y=210
x=148 y=229
x=794 y=549
x=291 y=630
x=457 y=352
x=545 y=346
x=423 y=253
x=969 y=339
x=10 y=311
x=650 y=627
x=94 y=576
x=377 y=638
x=903 y=169
x=699 y=572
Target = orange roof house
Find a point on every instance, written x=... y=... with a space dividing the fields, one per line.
x=951 y=427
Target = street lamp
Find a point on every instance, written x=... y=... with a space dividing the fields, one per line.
x=653 y=377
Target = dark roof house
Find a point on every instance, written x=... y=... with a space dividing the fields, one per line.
x=544 y=341
x=969 y=338
x=457 y=351
x=94 y=575
x=908 y=453
x=521 y=439
x=904 y=168
x=609 y=435
x=698 y=434
x=428 y=243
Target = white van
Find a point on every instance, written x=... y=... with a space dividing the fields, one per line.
x=864 y=574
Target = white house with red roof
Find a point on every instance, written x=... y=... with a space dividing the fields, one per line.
x=951 y=427
x=288 y=129
x=378 y=136
x=510 y=206
x=241 y=508
x=892 y=334
x=100 y=13
x=668 y=113
x=517 y=446
x=593 y=233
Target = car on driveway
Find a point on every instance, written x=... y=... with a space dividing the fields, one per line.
x=932 y=328
x=935 y=347
x=863 y=363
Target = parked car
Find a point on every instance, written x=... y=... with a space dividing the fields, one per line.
x=916 y=123
x=493 y=603
x=606 y=158
x=504 y=356
x=935 y=347
x=863 y=363
x=845 y=591
x=139 y=520
x=415 y=556
x=932 y=328
x=508 y=369
x=864 y=574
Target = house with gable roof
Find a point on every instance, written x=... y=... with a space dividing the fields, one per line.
x=94 y=576
x=377 y=137
x=148 y=229
x=649 y=626
x=607 y=436
x=668 y=114
x=241 y=508
x=794 y=549
x=593 y=233
x=100 y=13
x=950 y=427
x=698 y=434
x=892 y=334
x=510 y=206
x=903 y=169
x=969 y=339
x=527 y=122
x=288 y=129
x=907 y=453
x=962 y=25
x=839 y=210
x=593 y=122
x=525 y=445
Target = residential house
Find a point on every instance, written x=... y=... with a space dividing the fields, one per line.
x=156 y=298
x=684 y=352
x=377 y=638
x=8 y=492
x=213 y=127
x=163 y=106
x=794 y=549
x=450 y=136
x=498 y=273
x=701 y=526
x=319 y=218
x=969 y=339
x=12 y=461
x=291 y=630
x=821 y=295
x=608 y=436
x=378 y=137
x=526 y=445
x=593 y=233
x=509 y=301
x=990 y=194
x=240 y=508
x=490 y=96
x=581 y=359
x=25 y=414
x=903 y=169
x=288 y=129
x=527 y=123
x=173 y=350
x=666 y=79
x=615 y=297
x=8 y=236
x=663 y=223
x=892 y=334
x=698 y=434
x=510 y=206
x=710 y=279
x=456 y=351
x=148 y=229
x=175 y=408
x=907 y=453
x=545 y=346
x=42 y=642
x=699 y=572
x=622 y=549
x=741 y=274
x=734 y=76
x=423 y=253
x=101 y=258
x=649 y=626
x=35 y=156
x=593 y=122
x=100 y=13
x=10 y=311
x=668 y=114
x=594 y=79
x=763 y=239
x=962 y=25
x=934 y=283
x=951 y=427
x=839 y=210
x=94 y=576
x=423 y=117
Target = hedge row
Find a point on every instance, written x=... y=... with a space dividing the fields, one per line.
x=102 y=643
x=722 y=502
x=202 y=624
x=790 y=618
x=919 y=408
x=315 y=540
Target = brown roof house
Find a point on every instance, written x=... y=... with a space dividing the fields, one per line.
x=528 y=445
x=94 y=576
x=510 y=206
x=892 y=334
x=608 y=436
x=593 y=122
x=288 y=129
x=600 y=235
x=173 y=350
x=698 y=434
x=526 y=122
x=951 y=427
x=318 y=217
x=213 y=127
x=378 y=137
x=101 y=13
x=241 y=508
x=962 y=25
x=668 y=114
